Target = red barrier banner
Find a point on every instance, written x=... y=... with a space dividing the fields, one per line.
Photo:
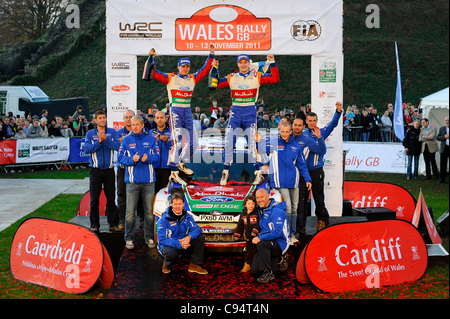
x=417 y=211
x=422 y=208
x=432 y=231
x=107 y=276
x=84 y=206
x=377 y=194
x=8 y=152
x=58 y=255
x=355 y=256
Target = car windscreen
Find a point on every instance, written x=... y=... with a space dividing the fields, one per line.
x=208 y=168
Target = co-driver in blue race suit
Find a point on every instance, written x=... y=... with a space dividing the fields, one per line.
x=244 y=86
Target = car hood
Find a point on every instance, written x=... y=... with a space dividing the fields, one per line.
x=208 y=198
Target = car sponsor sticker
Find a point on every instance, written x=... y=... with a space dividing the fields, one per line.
x=217 y=199
x=216 y=230
x=223 y=206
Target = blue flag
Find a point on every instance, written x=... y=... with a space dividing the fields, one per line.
x=398 y=108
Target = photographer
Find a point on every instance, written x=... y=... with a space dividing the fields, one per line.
x=80 y=125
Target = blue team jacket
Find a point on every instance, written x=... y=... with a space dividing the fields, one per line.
x=171 y=231
x=101 y=154
x=164 y=148
x=315 y=160
x=287 y=163
x=309 y=145
x=122 y=132
x=273 y=223
x=139 y=172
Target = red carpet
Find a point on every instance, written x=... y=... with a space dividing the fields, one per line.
x=139 y=275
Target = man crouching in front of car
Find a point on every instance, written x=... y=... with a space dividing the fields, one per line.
x=178 y=234
x=271 y=242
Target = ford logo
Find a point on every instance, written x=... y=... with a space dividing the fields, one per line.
x=217 y=199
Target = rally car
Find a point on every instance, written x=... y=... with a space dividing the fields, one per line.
x=215 y=208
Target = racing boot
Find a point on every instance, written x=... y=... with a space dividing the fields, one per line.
x=246 y=268
x=175 y=177
x=185 y=170
x=224 y=179
x=259 y=178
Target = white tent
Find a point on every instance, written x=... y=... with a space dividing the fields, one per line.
x=435 y=109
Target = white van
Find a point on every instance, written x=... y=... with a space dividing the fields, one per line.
x=18 y=99
x=10 y=96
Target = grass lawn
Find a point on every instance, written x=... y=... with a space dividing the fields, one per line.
x=42 y=173
x=63 y=207
x=433 y=285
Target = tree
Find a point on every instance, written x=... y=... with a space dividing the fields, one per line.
x=28 y=19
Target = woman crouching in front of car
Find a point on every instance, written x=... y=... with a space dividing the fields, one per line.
x=248 y=226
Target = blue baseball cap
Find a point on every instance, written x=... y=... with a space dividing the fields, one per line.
x=243 y=56
x=184 y=61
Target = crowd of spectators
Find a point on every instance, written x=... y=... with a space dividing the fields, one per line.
x=359 y=124
x=33 y=126
x=365 y=124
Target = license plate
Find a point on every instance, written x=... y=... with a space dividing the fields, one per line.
x=216 y=218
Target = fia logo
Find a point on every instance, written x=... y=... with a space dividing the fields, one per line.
x=306 y=30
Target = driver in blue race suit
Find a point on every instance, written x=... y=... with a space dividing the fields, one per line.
x=244 y=86
x=180 y=87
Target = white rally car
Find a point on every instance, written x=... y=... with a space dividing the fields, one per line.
x=215 y=208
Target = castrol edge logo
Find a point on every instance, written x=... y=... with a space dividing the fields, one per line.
x=227 y=27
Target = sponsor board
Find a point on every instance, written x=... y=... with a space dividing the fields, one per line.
x=7 y=152
x=58 y=255
x=227 y=27
x=356 y=256
x=378 y=194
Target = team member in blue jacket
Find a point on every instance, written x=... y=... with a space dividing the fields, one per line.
x=120 y=175
x=315 y=164
x=162 y=135
x=100 y=143
x=138 y=153
x=179 y=234
x=272 y=241
x=287 y=166
x=309 y=145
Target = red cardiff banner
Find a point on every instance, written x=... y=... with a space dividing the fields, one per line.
x=84 y=207
x=58 y=255
x=107 y=276
x=377 y=194
x=355 y=256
